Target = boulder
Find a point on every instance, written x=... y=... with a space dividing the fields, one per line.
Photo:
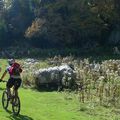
x=54 y=75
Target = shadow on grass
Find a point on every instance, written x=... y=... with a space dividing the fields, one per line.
x=45 y=89
x=51 y=87
x=19 y=117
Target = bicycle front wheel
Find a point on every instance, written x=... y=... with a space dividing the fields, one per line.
x=5 y=100
x=16 y=105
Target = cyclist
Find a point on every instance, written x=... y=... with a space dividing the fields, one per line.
x=14 y=79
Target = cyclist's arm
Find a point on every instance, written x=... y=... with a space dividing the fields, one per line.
x=4 y=74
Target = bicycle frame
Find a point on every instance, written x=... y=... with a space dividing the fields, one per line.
x=14 y=100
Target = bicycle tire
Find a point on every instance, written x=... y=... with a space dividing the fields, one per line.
x=16 y=105
x=5 y=99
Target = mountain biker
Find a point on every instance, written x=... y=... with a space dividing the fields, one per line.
x=14 y=79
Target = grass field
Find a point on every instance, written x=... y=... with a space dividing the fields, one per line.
x=36 y=105
x=44 y=106
x=53 y=106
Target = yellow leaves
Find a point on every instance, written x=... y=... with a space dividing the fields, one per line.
x=35 y=27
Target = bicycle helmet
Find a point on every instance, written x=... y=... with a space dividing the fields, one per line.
x=11 y=61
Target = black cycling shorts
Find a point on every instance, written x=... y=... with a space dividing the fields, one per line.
x=16 y=82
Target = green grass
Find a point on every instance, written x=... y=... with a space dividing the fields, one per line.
x=42 y=105
x=53 y=106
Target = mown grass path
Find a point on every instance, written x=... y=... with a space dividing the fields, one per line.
x=50 y=106
x=41 y=106
x=44 y=106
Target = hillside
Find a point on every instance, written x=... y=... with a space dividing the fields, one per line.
x=60 y=23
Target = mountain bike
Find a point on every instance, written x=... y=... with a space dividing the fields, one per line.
x=12 y=99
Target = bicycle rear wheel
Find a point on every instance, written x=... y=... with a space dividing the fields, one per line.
x=5 y=100
x=16 y=105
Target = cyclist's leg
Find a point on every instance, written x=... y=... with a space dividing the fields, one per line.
x=8 y=86
x=17 y=84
